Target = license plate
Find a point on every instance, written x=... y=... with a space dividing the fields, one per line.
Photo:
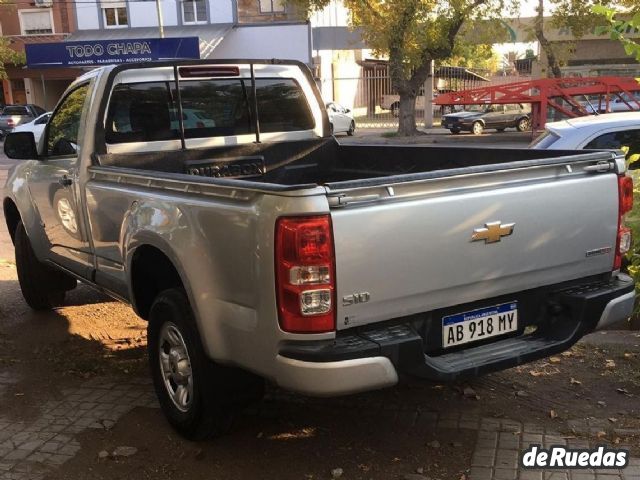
x=479 y=324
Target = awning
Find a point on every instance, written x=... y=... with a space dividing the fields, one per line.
x=210 y=35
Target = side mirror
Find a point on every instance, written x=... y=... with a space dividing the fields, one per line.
x=21 y=146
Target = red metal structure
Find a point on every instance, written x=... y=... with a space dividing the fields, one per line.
x=568 y=96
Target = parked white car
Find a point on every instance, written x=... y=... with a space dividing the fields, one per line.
x=341 y=119
x=609 y=130
x=36 y=126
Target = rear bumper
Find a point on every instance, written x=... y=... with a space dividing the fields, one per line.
x=369 y=358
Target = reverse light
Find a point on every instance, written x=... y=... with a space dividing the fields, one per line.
x=305 y=270
x=625 y=204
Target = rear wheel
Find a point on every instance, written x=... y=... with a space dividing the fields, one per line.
x=477 y=128
x=43 y=288
x=523 y=124
x=198 y=396
x=352 y=128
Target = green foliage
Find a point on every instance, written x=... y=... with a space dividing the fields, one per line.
x=8 y=56
x=413 y=33
x=617 y=27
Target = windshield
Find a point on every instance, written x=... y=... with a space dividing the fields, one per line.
x=15 y=111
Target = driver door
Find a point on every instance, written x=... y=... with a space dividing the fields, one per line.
x=53 y=183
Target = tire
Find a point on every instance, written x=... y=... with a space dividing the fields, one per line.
x=455 y=131
x=36 y=279
x=214 y=392
x=477 y=128
x=523 y=124
x=395 y=109
x=352 y=128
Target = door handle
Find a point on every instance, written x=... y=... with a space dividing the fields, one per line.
x=65 y=181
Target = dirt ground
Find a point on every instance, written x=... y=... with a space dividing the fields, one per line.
x=289 y=436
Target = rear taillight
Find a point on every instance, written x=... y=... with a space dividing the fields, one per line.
x=625 y=204
x=305 y=274
x=625 y=194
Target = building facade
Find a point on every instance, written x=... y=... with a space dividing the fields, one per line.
x=225 y=28
x=25 y=22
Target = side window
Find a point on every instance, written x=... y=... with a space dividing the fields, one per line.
x=62 y=135
x=613 y=140
x=627 y=141
x=282 y=106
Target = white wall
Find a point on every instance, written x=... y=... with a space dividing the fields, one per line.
x=221 y=11
x=287 y=42
x=335 y=14
x=87 y=15
x=144 y=14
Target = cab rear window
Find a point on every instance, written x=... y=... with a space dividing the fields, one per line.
x=210 y=108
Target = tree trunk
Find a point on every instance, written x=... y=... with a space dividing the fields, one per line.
x=407 y=118
x=553 y=64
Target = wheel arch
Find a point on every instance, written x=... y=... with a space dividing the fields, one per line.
x=153 y=267
x=12 y=217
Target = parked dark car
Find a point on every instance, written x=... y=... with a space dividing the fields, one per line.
x=14 y=115
x=480 y=117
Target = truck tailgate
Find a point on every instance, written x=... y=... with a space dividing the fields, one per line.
x=407 y=248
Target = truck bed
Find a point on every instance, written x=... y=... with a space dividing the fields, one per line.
x=303 y=164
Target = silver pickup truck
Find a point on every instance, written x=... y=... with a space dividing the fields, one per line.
x=258 y=247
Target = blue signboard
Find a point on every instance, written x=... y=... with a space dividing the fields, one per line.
x=109 y=52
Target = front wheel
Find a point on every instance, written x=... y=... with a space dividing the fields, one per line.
x=352 y=128
x=523 y=124
x=477 y=128
x=198 y=396
x=43 y=288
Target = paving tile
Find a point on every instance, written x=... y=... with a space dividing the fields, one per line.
x=505 y=474
x=478 y=473
x=530 y=475
x=556 y=475
x=581 y=475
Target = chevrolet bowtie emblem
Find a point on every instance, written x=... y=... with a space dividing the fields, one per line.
x=492 y=232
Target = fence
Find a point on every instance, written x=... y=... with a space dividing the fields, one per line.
x=375 y=104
